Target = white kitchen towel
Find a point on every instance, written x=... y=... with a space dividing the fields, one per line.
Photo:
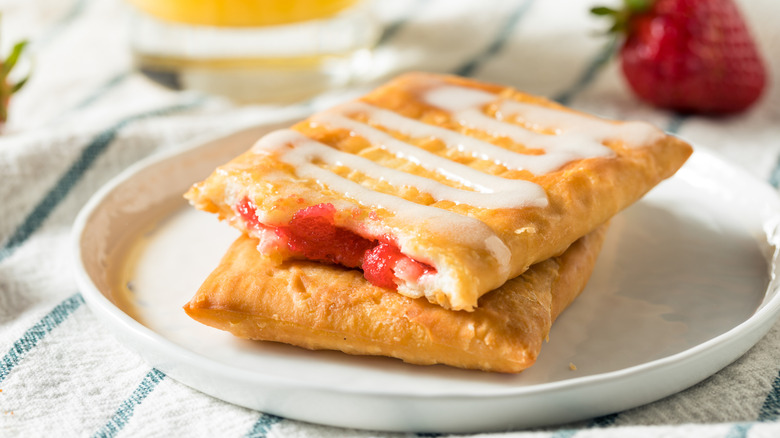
x=85 y=115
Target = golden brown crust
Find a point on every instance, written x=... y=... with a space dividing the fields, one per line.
x=319 y=306
x=582 y=194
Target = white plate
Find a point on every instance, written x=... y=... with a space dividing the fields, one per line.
x=684 y=286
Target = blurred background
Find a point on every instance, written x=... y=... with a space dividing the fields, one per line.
x=109 y=82
x=85 y=57
x=103 y=75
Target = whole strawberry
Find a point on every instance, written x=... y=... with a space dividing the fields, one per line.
x=694 y=56
x=7 y=89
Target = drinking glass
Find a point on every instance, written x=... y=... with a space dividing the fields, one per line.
x=253 y=50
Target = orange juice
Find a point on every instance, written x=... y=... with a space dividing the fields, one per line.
x=253 y=50
x=241 y=13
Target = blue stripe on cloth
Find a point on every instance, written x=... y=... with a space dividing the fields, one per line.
x=61 y=24
x=739 y=430
x=94 y=149
x=126 y=410
x=774 y=177
x=604 y=420
x=102 y=90
x=676 y=122
x=469 y=67
x=770 y=410
x=589 y=74
x=34 y=334
x=391 y=29
x=564 y=433
x=598 y=422
x=262 y=426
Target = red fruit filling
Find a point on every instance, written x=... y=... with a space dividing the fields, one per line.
x=312 y=234
x=248 y=212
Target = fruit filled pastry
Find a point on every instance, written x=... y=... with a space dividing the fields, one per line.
x=437 y=186
x=324 y=306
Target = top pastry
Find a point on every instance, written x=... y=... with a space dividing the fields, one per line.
x=438 y=186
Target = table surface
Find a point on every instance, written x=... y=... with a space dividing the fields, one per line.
x=85 y=115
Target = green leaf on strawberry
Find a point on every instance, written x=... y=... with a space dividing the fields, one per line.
x=690 y=56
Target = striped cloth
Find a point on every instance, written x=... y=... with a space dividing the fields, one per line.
x=85 y=116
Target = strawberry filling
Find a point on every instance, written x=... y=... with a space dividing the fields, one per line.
x=313 y=234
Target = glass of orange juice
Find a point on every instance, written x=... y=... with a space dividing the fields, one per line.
x=253 y=50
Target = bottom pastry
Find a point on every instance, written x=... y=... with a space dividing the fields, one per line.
x=319 y=306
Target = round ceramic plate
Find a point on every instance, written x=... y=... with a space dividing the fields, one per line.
x=683 y=287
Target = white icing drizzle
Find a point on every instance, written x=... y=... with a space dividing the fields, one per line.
x=306 y=151
x=537 y=164
x=577 y=145
x=582 y=137
x=454 y=98
x=300 y=151
x=632 y=134
x=498 y=192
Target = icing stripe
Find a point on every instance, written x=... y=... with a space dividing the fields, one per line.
x=537 y=164
x=558 y=151
x=516 y=193
x=582 y=137
x=590 y=129
x=306 y=150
